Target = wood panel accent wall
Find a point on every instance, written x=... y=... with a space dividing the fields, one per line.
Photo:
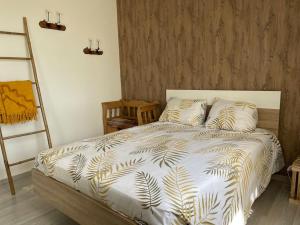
x=214 y=44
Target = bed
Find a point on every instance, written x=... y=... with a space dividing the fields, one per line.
x=165 y=173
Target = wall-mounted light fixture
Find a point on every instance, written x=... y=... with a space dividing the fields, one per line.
x=89 y=50
x=47 y=24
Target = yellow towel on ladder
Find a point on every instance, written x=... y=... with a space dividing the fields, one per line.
x=17 y=103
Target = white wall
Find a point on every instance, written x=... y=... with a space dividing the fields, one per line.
x=73 y=84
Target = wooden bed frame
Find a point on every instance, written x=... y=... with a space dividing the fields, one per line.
x=87 y=211
x=78 y=206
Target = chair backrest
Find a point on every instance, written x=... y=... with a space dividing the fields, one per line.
x=131 y=108
x=148 y=113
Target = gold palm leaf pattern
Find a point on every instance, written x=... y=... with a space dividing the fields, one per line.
x=244 y=138
x=153 y=144
x=235 y=165
x=196 y=119
x=152 y=127
x=269 y=152
x=50 y=157
x=188 y=130
x=100 y=162
x=181 y=191
x=164 y=116
x=76 y=167
x=206 y=135
x=180 y=221
x=221 y=167
x=229 y=154
x=220 y=148
x=245 y=105
x=181 y=111
x=217 y=148
x=171 y=154
x=174 y=115
x=164 y=149
x=225 y=119
x=103 y=179
x=205 y=209
x=213 y=134
x=110 y=141
x=262 y=168
x=147 y=190
x=230 y=115
x=249 y=116
x=265 y=157
x=185 y=104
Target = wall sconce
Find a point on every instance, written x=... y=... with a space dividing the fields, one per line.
x=90 y=51
x=54 y=26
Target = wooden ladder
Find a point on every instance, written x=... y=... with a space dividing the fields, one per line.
x=41 y=107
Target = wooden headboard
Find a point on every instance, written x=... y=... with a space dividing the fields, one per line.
x=267 y=102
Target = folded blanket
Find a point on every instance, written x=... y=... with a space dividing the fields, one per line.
x=17 y=103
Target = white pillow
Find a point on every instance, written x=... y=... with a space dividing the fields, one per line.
x=185 y=111
x=232 y=115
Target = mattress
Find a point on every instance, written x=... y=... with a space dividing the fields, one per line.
x=166 y=173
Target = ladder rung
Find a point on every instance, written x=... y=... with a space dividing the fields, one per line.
x=16 y=58
x=12 y=33
x=25 y=134
x=21 y=162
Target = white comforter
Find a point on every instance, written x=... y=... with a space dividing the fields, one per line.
x=165 y=173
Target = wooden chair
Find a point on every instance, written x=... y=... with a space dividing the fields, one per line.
x=123 y=114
